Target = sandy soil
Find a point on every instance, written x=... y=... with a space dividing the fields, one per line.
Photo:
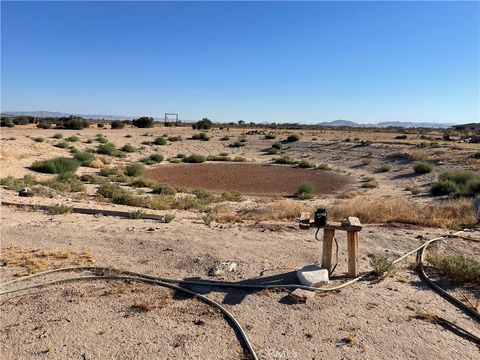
x=96 y=320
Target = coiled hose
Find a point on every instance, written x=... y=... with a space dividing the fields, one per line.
x=105 y=273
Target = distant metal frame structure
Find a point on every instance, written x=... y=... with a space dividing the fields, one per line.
x=170 y=114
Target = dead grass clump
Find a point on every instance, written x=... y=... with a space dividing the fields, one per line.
x=142 y=306
x=34 y=260
x=448 y=214
x=125 y=287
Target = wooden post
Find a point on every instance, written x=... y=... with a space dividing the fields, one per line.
x=327 y=252
x=352 y=245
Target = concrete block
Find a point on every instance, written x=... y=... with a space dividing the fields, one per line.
x=313 y=275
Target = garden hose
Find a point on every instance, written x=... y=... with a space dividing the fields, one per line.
x=175 y=284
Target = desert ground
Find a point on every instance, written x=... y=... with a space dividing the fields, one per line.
x=245 y=213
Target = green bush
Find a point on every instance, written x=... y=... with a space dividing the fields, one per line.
x=277 y=146
x=66 y=182
x=238 y=144
x=218 y=158
x=55 y=166
x=270 y=136
x=272 y=151
x=201 y=136
x=457 y=268
x=59 y=209
x=62 y=145
x=422 y=167
x=160 y=141
x=194 y=158
x=284 y=159
x=72 y=138
x=382 y=266
x=293 y=137
x=84 y=157
x=38 y=139
x=106 y=171
x=135 y=169
x=128 y=148
x=239 y=159
x=175 y=138
x=225 y=138
x=385 y=168
x=306 y=190
x=109 y=149
x=117 y=124
x=444 y=187
x=457 y=183
x=164 y=189
x=324 y=166
x=305 y=164
x=156 y=158
x=57 y=136
x=12 y=183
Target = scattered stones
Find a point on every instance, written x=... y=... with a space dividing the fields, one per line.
x=313 y=275
x=199 y=322
x=301 y=295
x=222 y=267
x=25 y=192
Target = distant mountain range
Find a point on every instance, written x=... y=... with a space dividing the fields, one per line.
x=386 y=124
x=327 y=123
x=61 y=114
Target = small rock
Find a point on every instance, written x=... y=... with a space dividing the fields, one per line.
x=302 y=295
x=25 y=192
x=151 y=229
x=199 y=322
x=222 y=268
x=313 y=275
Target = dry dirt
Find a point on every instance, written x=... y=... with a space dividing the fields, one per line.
x=249 y=179
x=104 y=319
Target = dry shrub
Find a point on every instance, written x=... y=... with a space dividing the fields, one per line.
x=418 y=155
x=448 y=214
x=96 y=164
x=34 y=260
x=278 y=210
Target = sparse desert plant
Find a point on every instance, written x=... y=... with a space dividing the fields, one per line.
x=225 y=138
x=457 y=183
x=306 y=190
x=128 y=135
x=134 y=169
x=293 y=137
x=12 y=183
x=72 y=138
x=277 y=146
x=232 y=196
x=413 y=190
x=324 y=166
x=382 y=266
x=218 y=158
x=57 y=136
x=59 y=209
x=128 y=148
x=109 y=149
x=55 y=166
x=108 y=171
x=371 y=184
x=164 y=189
x=137 y=214
x=207 y=219
x=38 y=139
x=117 y=124
x=156 y=158
x=366 y=162
x=284 y=159
x=270 y=136
x=194 y=158
x=385 y=168
x=175 y=138
x=457 y=267
x=168 y=218
x=84 y=157
x=422 y=167
x=160 y=141
x=239 y=159
x=65 y=182
x=62 y=145
x=201 y=136
x=272 y=151
x=305 y=164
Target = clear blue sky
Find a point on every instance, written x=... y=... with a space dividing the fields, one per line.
x=262 y=62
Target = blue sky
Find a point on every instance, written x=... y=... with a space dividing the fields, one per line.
x=257 y=61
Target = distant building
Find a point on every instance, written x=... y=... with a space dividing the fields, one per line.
x=466 y=127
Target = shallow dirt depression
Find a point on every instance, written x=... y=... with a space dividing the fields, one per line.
x=249 y=179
